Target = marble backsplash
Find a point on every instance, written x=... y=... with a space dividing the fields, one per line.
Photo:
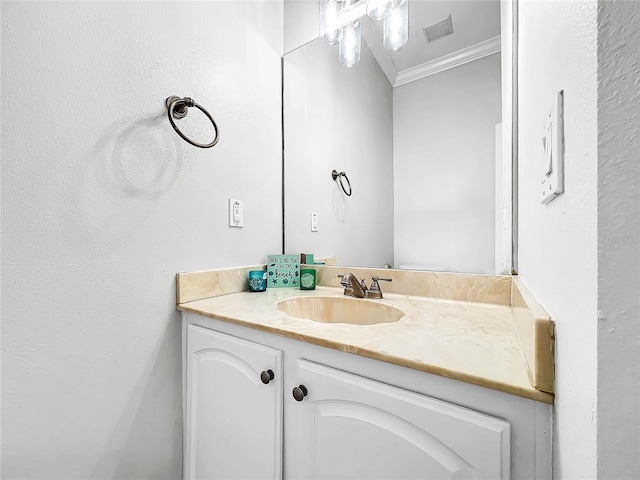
x=446 y=286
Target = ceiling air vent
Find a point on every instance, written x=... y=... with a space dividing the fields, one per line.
x=439 y=30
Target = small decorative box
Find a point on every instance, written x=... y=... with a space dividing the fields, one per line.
x=257 y=281
x=306 y=258
x=283 y=271
x=307 y=279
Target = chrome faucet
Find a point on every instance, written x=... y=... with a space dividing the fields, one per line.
x=352 y=286
x=358 y=289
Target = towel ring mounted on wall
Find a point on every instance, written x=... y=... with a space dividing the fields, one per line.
x=177 y=108
x=339 y=176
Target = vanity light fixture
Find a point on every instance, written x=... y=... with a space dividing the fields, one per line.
x=379 y=9
x=330 y=33
x=339 y=24
x=396 y=26
x=350 y=44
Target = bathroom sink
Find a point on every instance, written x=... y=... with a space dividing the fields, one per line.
x=340 y=310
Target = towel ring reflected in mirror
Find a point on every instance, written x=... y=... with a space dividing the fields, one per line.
x=339 y=176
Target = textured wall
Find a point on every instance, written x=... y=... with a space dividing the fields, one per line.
x=102 y=203
x=558 y=242
x=618 y=239
x=444 y=164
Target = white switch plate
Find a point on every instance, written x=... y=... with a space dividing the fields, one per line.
x=236 y=213
x=314 y=222
x=552 y=183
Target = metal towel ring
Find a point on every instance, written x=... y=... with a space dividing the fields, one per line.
x=335 y=175
x=177 y=108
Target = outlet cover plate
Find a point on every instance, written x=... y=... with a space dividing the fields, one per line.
x=236 y=213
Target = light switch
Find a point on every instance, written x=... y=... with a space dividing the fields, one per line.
x=552 y=183
x=314 y=222
x=236 y=213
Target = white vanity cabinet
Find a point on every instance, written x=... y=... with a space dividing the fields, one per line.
x=233 y=407
x=353 y=418
x=349 y=427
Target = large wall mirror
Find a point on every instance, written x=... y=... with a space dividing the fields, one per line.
x=424 y=135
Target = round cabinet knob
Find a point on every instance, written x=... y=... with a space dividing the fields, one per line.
x=299 y=393
x=266 y=376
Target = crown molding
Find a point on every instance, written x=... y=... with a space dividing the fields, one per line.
x=455 y=59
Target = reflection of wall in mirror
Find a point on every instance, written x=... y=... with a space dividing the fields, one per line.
x=338 y=118
x=444 y=168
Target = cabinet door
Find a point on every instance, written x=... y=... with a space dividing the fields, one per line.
x=349 y=427
x=233 y=420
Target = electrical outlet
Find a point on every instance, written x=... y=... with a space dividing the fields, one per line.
x=236 y=213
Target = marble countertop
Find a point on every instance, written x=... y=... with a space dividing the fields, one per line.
x=473 y=342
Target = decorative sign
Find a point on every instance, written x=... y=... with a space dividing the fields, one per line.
x=283 y=271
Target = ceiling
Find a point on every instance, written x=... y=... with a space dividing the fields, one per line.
x=476 y=26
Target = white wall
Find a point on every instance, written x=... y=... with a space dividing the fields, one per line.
x=618 y=240
x=338 y=118
x=102 y=203
x=300 y=22
x=558 y=242
x=580 y=255
x=443 y=148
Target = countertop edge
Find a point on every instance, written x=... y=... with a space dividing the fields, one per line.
x=536 y=332
x=532 y=394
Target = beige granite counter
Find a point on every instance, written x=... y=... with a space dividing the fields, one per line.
x=497 y=345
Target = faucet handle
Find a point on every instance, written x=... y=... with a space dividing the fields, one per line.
x=374 y=290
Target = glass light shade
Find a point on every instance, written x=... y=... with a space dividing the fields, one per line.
x=395 y=28
x=350 y=44
x=330 y=32
x=379 y=9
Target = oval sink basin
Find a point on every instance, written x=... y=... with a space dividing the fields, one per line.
x=340 y=310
